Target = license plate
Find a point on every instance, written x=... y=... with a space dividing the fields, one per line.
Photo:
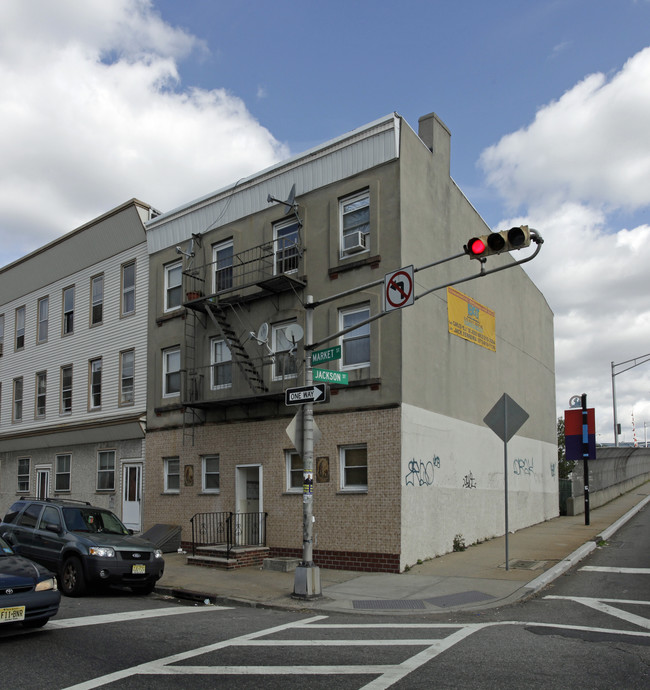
x=139 y=569
x=12 y=614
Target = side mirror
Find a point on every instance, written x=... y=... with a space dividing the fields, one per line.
x=52 y=527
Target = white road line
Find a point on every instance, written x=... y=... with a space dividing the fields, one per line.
x=624 y=571
x=600 y=605
x=129 y=616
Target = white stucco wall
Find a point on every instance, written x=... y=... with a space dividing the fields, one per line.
x=453 y=483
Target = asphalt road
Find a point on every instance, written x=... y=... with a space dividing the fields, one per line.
x=590 y=629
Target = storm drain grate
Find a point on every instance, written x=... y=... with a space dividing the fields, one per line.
x=526 y=565
x=388 y=604
x=459 y=599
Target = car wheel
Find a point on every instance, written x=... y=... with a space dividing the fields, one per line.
x=73 y=582
x=36 y=622
x=144 y=589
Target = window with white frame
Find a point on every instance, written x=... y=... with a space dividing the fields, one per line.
x=284 y=365
x=43 y=319
x=127 y=377
x=172 y=475
x=20 y=328
x=95 y=383
x=66 y=390
x=221 y=364
x=171 y=372
x=354 y=223
x=173 y=286
x=106 y=470
x=23 y=474
x=62 y=468
x=68 y=310
x=354 y=467
x=41 y=393
x=294 y=466
x=286 y=247
x=96 y=300
x=355 y=345
x=128 y=288
x=18 y=399
x=222 y=255
x=210 y=474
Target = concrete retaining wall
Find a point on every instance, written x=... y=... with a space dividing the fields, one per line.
x=615 y=471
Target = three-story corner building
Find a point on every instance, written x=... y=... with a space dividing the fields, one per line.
x=73 y=339
x=403 y=460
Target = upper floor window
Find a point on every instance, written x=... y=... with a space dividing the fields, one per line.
x=18 y=400
x=20 y=328
x=2 y=333
x=354 y=467
x=43 y=319
x=127 y=377
x=95 y=383
x=210 y=474
x=355 y=346
x=221 y=364
x=128 y=289
x=222 y=255
x=41 y=393
x=62 y=472
x=106 y=470
x=284 y=365
x=68 y=310
x=66 y=390
x=173 y=285
x=354 y=222
x=97 y=300
x=23 y=474
x=171 y=372
x=286 y=246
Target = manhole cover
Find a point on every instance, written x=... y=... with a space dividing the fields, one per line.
x=526 y=565
x=388 y=604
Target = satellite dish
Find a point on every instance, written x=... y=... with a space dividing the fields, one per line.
x=289 y=203
x=293 y=333
x=263 y=333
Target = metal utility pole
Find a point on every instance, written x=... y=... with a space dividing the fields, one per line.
x=637 y=361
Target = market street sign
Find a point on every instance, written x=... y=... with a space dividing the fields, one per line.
x=330 y=376
x=305 y=394
x=326 y=355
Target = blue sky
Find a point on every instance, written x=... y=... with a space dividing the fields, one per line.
x=547 y=101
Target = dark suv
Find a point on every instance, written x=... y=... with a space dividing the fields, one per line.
x=82 y=544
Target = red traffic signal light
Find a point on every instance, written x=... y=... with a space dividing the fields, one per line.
x=498 y=242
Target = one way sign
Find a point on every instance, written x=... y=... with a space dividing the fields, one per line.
x=305 y=394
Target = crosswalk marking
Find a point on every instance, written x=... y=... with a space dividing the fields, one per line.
x=603 y=605
x=129 y=616
x=624 y=571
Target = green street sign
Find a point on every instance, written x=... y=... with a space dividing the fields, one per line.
x=326 y=355
x=330 y=376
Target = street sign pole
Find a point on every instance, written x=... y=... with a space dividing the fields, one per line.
x=585 y=453
x=307 y=575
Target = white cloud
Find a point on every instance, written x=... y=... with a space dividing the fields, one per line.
x=583 y=158
x=94 y=113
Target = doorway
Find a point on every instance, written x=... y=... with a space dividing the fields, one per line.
x=249 y=505
x=42 y=482
x=132 y=495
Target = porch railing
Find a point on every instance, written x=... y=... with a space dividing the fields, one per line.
x=228 y=529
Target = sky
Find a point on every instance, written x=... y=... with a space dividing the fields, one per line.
x=548 y=103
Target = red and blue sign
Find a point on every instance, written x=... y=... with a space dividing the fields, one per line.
x=578 y=435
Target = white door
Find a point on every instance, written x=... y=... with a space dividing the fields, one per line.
x=248 y=500
x=42 y=482
x=132 y=495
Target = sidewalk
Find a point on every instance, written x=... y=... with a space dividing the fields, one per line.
x=469 y=580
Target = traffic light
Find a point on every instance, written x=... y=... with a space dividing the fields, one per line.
x=498 y=242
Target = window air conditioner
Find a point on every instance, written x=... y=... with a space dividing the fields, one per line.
x=354 y=242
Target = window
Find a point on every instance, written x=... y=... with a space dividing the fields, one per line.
x=128 y=289
x=171 y=372
x=354 y=467
x=20 y=328
x=222 y=258
x=211 y=474
x=106 y=470
x=23 y=474
x=354 y=221
x=30 y=515
x=41 y=392
x=173 y=285
x=355 y=346
x=18 y=399
x=43 y=319
x=96 y=300
x=294 y=467
x=68 y=310
x=172 y=476
x=50 y=517
x=62 y=472
x=66 y=390
x=95 y=383
x=2 y=333
x=221 y=364
x=287 y=254
x=127 y=377
x=285 y=352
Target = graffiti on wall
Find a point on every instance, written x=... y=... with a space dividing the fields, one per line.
x=523 y=466
x=469 y=482
x=552 y=469
x=421 y=472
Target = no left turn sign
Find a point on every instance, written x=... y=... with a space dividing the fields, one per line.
x=398 y=289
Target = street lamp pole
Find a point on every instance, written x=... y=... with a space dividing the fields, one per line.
x=637 y=361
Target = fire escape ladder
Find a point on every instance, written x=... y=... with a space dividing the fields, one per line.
x=239 y=355
x=193 y=383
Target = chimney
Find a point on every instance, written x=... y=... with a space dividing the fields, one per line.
x=437 y=138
